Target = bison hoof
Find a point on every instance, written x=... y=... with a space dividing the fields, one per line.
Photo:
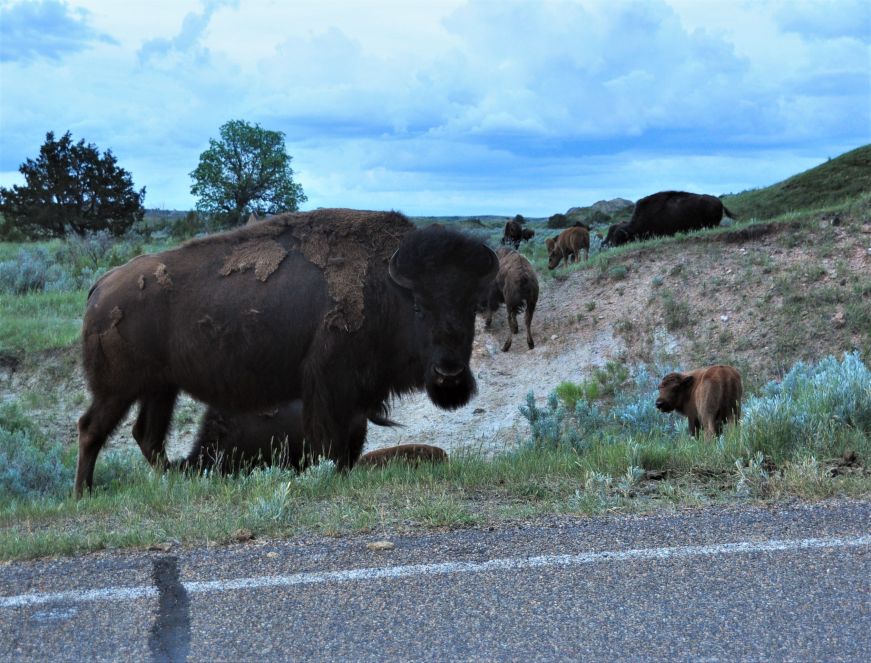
x=530 y=344
x=507 y=346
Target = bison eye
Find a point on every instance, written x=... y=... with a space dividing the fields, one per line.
x=417 y=310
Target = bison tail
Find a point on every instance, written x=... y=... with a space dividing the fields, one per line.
x=728 y=213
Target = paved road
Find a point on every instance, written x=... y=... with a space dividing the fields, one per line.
x=787 y=583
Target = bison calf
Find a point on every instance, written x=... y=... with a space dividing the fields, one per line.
x=707 y=397
x=410 y=453
x=230 y=442
x=516 y=286
x=568 y=245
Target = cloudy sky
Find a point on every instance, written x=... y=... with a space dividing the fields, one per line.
x=446 y=106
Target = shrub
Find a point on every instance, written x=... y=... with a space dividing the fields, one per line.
x=31 y=271
x=29 y=465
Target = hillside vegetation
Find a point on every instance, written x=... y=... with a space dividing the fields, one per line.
x=837 y=181
x=572 y=429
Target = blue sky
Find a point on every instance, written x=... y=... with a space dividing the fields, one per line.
x=447 y=106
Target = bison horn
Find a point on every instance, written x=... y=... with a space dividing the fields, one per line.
x=396 y=275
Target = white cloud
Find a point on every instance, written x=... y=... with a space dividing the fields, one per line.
x=456 y=105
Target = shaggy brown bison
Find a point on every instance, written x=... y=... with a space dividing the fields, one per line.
x=668 y=213
x=230 y=442
x=514 y=232
x=516 y=286
x=339 y=308
x=707 y=397
x=568 y=245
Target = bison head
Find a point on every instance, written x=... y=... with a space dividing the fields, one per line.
x=443 y=274
x=674 y=390
x=618 y=234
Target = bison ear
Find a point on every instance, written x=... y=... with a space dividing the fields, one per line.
x=397 y=276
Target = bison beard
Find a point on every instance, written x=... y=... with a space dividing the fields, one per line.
x=339 y=308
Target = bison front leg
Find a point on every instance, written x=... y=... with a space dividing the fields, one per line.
x=327 y=424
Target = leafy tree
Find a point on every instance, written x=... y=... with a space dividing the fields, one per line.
x=558 y=220
x=247 y=171
x=70 y=187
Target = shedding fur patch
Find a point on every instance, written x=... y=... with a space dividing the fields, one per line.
x=115 y=316
x=263 y=255
x=141 y=282
x=162 y=276
x=346 y=244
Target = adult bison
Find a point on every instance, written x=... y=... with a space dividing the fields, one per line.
x=340 y=308
x=668 y=213
x=514 y=233
x=516 y=286
x=568 y=245
x=228 y=442
x=707 y=397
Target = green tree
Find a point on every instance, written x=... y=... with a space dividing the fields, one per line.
x=71 y=187
x=248 y=170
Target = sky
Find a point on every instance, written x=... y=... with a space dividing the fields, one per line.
x=446 y=107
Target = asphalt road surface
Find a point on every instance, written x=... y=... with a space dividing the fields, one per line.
x=781 y=583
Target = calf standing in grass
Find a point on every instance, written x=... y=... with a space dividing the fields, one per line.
x=707 y=397
x=568 y=245
x=517 y=287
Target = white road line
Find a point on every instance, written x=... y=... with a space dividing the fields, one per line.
x=506 y=564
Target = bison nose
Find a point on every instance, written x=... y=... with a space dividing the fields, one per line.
x=448 y=371
x=659 y=403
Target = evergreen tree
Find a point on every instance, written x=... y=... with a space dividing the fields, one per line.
x=71 y=187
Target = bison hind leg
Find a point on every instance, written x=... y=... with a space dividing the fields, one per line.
x=530 y=309
x=94 y=426
x=152 y=425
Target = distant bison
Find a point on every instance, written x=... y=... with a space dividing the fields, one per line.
x=707 y=397
x=228 y=443
x=514 y=232
x=567 y=246
x=338 y=308
x=516 y=286
x=668 y=213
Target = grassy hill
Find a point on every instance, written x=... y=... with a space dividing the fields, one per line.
x=837 y=181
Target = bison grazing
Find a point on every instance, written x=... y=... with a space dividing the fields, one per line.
x=339 y=308
x=229 y=442
x=568 y=245
x=516 y=286
x=514 y=232
x=668 y=213
x=707 y=397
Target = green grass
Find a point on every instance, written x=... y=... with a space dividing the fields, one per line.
x=40 y=321
x=835 y=182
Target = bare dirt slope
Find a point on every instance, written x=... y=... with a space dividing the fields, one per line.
x=759 y=300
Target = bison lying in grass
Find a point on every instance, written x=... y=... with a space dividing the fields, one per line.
x=516 y=286
x=567 y=245
x=668 y=213
x=228 y=443
x=339 y=308
x=707 y=397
